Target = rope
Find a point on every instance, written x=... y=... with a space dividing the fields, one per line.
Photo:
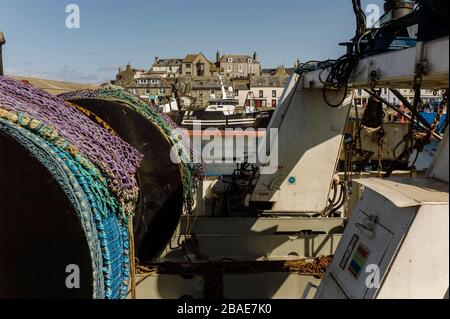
x=132 y=259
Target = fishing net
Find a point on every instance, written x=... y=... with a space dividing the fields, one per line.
x=93 y=166
x=98 y=210
x=191 y=170
x=69 y=184
x=116 y=159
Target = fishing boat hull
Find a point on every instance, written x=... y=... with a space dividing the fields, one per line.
x=201 y=119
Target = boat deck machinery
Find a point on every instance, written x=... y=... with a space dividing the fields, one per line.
x=286 y=234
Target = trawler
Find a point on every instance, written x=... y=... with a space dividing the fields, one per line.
x=222 y=113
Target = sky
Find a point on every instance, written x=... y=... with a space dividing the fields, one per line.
x=113 y=33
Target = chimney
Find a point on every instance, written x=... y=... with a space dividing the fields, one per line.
x=255 y=56
x=156 y=59
x=217 y=57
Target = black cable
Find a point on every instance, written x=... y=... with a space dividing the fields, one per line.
x=344 y=193
x=341 y=195
x=342 y=69
x=333 y=200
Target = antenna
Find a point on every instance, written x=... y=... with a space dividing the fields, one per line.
x=2 y=42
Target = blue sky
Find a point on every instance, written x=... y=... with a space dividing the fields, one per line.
x=115 y=32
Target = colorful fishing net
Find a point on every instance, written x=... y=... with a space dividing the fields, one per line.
x=190 y=171
x=94 y=168
x=114 y=157
x=98 y=211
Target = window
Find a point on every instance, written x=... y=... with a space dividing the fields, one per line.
x=229 y=68
x=274 y=103
x=200 y=69
x=274 y=93
x=188 y=66
x=241 y=68
x=261 y=93
x=250 y=69
x=188 y=73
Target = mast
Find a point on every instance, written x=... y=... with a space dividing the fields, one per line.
x=222 y=85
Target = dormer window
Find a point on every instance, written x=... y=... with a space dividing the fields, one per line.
x=250 y=60
x=230 y=60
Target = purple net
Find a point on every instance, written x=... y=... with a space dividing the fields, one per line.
x=112 y=155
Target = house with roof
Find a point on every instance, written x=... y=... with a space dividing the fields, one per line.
x=128 y=75
x=201 y=88
x=150 y=87
x=264 y=91
x=238 y=65
x=194 y=65
x=167 y=67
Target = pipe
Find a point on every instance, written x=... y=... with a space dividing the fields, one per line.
x=399 y=8
x=379 y=98
x=2 y=42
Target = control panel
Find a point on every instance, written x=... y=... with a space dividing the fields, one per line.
x=387 y=245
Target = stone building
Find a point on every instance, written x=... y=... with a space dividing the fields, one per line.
x=197 y=65
x=127 y=76
x=150 y=87
x=238 y=66
x=196 y=79
x=201 y=89
x=264 y=91
x=170 y=68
